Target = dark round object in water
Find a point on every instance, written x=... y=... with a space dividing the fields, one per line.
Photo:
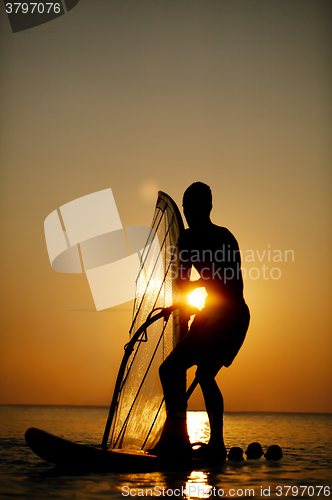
x=254 y=451
x=235 y=454
x=273 y=452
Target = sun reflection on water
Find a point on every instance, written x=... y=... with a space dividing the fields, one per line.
x=198 y=426
x=199 y=431
x=197 y=485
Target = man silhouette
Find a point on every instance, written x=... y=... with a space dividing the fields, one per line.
x=217 y=331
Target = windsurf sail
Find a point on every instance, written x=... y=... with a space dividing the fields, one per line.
x=137 y=412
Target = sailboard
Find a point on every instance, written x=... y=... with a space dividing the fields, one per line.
x=137 y=412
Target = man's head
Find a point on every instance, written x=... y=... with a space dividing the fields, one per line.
x=197 y=203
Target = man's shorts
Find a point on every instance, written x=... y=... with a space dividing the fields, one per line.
x=214 y=338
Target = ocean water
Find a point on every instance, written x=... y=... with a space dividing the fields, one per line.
x=303 y=472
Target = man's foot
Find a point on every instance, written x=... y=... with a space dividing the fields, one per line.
x=209 y=452
x=174 y=441
x=170 y=447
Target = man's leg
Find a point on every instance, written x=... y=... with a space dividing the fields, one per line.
x=173 y=375
x=214 y=404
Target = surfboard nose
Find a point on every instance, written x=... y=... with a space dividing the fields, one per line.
x=33 y=438
x=31 y=434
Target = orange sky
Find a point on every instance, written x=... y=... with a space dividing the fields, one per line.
x=141 y=95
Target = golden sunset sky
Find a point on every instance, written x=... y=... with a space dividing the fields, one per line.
x=148 y=95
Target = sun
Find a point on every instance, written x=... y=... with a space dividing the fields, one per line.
x=197 y=298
